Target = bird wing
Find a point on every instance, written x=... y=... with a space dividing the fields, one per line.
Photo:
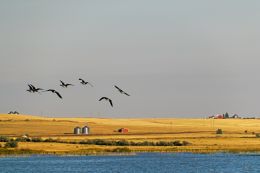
x=58 y=94
x=103 y=98
x=126 y=94
x=33 y=87
x=111 y=103
x=121 y=91
x=62 y=82
x=30 y=86
x=82 y=81
x=47 y=90
x=90 y=84
x=69 y=84
x=117 y=87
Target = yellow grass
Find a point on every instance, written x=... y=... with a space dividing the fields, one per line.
x=200 y=132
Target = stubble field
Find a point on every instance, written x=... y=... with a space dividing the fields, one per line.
x=238 y=134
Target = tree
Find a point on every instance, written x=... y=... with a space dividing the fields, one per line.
x=4 y=139
x=219 y=132
x=11 y=144
x=226 y=115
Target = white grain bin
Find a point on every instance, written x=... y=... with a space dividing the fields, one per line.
x=85 y=130
x=77 y=130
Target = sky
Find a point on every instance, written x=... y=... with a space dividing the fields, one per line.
x=176 y=58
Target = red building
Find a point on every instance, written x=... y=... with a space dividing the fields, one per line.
x=123 y=130
x=219 y=116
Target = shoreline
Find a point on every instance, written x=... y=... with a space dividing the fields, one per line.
x=124 y=150
x=36 y=153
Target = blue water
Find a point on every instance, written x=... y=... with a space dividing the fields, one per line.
x=147 y=162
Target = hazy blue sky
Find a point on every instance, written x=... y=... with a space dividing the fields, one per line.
x=175 y=58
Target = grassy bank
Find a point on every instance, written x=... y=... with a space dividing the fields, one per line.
x=107 y=150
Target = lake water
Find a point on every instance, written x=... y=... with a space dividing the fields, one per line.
x=143 y=162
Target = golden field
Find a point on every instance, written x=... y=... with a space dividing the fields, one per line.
x=200 y=132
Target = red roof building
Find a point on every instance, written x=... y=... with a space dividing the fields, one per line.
x=219 y=116
x=123 y=130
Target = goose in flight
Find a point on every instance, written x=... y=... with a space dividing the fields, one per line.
x=108 y=99
x=54 y=91
x=65 y=85
x=33 y=89
x=120 y=90
x=84 y=82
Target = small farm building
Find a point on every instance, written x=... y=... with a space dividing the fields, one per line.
x=123 y=130
x=235 y=116
x=219 y=116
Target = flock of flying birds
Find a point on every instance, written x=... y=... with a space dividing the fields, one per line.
x=33 y=89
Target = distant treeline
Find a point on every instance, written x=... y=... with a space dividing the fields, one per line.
x=100 y=142
x=131 y=143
